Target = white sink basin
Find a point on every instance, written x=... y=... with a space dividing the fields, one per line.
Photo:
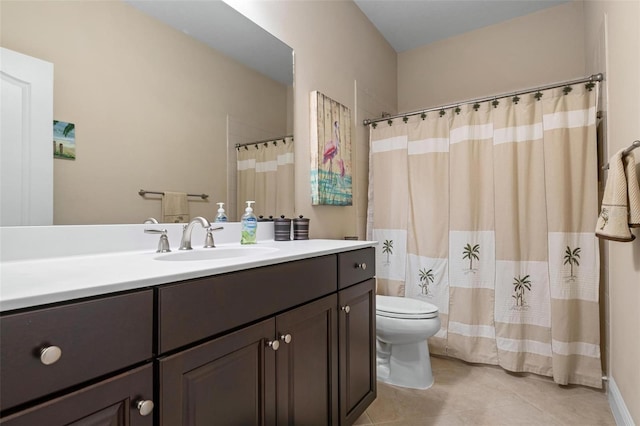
x=216 y=253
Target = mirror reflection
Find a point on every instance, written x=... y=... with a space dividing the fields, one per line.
x=154 y=106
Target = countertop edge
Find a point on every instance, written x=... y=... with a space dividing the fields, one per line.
x=74 y=293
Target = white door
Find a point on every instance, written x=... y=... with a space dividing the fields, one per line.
x=26 y=140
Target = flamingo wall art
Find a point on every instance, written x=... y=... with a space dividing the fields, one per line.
x=330 y=151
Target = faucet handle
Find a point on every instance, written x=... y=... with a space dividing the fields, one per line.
x=163 y=244
x=208 y=241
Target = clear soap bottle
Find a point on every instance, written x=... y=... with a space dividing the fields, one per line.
x=221 y=216
x=249 y=223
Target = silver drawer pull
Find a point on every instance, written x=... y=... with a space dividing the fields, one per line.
x=346 y=309
x=273 y=344
x=144 y=407
x=286 y=338
x=50 y=355
x=362 y=266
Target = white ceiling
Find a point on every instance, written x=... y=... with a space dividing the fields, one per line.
x=407 y=24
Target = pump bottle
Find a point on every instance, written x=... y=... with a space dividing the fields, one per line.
x=249 y=223
x=221 y=216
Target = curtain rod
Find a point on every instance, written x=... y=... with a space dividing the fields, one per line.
x=238 y=145
x=594 y=77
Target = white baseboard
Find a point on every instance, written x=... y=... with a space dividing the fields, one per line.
x=619 y=409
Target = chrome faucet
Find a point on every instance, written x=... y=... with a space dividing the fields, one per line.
x=185 y=243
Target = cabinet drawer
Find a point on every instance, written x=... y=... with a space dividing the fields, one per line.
x=110 y=402
x=197 y=309
x=96 y=337
x=356 y=266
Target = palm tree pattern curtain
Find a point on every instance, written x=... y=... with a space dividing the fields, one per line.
x=266 y=175
x=487 y=211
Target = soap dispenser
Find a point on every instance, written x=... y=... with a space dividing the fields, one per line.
x=221 y=216
x=249 y=223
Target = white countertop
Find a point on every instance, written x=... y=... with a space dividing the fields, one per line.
x=33 y=282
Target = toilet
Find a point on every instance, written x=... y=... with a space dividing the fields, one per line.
x=402 y=328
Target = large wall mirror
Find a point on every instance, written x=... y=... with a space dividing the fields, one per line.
x=160 y=92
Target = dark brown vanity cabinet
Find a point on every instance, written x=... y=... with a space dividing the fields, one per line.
x=286 y=344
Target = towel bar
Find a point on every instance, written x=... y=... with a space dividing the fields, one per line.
x=143 y=192
x=634 y=145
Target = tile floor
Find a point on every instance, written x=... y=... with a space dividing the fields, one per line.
x=466 y=394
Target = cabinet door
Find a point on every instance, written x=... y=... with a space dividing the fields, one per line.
x=357 y=341
x=113 y=402
x=307 y=364
x=226 y=381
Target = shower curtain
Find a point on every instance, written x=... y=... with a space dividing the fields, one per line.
x=487 y=211
x=265 y=175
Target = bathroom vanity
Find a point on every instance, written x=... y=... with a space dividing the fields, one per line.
x=286 y=337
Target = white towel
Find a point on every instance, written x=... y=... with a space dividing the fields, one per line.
x=620 y=192
x=175 y=207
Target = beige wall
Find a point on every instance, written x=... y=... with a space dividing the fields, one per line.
x=150 y=106
x=335 y=46
x=540 y=48
x=612 y=40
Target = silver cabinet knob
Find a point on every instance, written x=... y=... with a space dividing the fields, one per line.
x=286 y=338
x=346 y=309
x=50 y=355
x=144 y=407
x=273 y=344
x=362 y=266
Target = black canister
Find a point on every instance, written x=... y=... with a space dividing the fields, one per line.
x=300 y=228
x=282 y=229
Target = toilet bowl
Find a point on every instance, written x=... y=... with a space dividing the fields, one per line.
x=403 y=326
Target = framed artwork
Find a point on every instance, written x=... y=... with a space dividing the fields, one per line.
x=331 y=172
x=64 y=140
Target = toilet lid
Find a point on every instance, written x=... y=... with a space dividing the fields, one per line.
x=404 y=307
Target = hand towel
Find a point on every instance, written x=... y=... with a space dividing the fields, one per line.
x=614 y=219
x=633 y=190
x=175 y=207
